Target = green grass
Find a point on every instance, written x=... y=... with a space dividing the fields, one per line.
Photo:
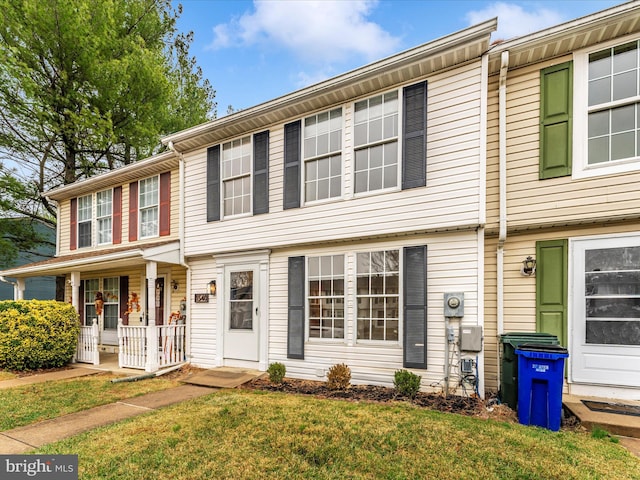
x=33 y=403
x=235 y=434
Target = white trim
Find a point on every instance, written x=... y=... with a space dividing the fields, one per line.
x=580 y=152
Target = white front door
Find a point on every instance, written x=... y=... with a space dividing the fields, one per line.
x=242 y=313
x=605 y=339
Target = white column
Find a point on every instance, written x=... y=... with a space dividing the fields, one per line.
x=152 y=274
x=76 y=301
x=18 y=289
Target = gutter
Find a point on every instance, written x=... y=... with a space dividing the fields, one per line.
x=502 y=192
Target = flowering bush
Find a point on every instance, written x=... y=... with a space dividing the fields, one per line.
x=37 y=334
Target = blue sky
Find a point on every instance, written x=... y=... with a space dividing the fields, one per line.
x=254 y=51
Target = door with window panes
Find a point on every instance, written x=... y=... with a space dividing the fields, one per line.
x=109 y=290
x=606 y=311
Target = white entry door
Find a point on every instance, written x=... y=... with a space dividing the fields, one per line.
x=242 y=313
x=605 y=340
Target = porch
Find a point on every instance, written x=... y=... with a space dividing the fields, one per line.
x=144 y=347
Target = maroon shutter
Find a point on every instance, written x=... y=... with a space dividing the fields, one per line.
x=124 y=298
x=165 y=204
x=117 y=215
x=73 y=225
x=81 y=307
x=133 y=211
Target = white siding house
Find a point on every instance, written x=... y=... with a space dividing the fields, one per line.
x=326 y=226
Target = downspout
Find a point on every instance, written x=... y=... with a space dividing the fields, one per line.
x=502 y=192
x=181 y=228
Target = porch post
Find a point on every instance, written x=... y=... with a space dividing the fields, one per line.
x=152 y=274
x=95 y=332
x=18 y=289
x=75 y=291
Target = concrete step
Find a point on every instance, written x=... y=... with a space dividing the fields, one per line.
x=616 y=424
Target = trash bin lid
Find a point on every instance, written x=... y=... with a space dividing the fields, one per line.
x=541 y=347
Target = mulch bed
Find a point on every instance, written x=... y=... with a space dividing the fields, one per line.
x=471 y=406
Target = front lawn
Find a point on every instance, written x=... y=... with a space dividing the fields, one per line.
x=40 y=401
x=238 y=434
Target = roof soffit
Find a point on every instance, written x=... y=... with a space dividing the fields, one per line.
x=568 y=37
x=435 y=56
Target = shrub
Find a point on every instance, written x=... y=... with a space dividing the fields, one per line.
x=276 y=372
x=338 y=377
x=406 y=383
x=37 y=334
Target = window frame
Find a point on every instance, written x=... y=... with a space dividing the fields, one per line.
x=581 y=168
x=85 y=220
x=368 y=145
x=101 y=218
x=232 y=177
x=329 y=155
x=309 y=297
x=148 y=208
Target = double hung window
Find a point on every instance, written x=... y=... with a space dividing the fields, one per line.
x=236 y=176
x=376 y=143
x=149 y=200
x=104 y=212
x=326 y=296
x=85 y=213
x=323 y=155
x=377 y=295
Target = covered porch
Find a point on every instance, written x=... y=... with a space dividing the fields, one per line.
x=131 y=301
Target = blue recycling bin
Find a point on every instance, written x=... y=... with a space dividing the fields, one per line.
x=540 y=379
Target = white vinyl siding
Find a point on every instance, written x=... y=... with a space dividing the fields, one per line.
x=450 y=200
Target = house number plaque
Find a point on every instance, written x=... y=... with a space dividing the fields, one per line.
x=201 y=298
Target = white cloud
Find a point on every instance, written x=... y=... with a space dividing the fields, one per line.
x=318 y=31
x=513 y=20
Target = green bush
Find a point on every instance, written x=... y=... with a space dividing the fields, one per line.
x=338 y=377
x=276 y=372
x=37 y=334
x=406 y=383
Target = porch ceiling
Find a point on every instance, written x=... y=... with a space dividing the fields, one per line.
x=101 y=260
x=438 y=55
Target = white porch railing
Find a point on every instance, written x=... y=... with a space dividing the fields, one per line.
x=151 y=347
x=87 y=349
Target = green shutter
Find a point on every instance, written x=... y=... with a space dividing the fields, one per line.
x=552 y=288
x=556 y=105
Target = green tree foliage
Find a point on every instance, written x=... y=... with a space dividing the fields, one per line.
x=87 y=86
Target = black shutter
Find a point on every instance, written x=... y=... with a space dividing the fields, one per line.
x=414 y=136
x=261 y=173
x=213 y=183
x=295 y=328
x=292 y=132
x=124 y=298
x=415 y=307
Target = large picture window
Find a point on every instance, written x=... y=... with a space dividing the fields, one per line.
x=378 y=296
x=236 y=176
x=322 y=155
x=326 y=296
x=376 y=143
x=149 y=200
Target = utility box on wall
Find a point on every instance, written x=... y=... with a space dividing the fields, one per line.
x=471 y=338
x=454 y=305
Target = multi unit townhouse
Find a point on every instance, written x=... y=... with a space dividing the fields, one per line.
x=403 y=215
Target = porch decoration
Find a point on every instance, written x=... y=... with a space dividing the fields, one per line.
x=133 y=303
x=99 y=303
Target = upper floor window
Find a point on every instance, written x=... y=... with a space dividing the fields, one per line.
x=376 y=143
x=236 y=176
x=104 y=212
x=322 y=155
x=326 y=296
x=85 y=214
x=613 y=104
x=149 y=200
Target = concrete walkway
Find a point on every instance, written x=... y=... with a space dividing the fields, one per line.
x=24 y=439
